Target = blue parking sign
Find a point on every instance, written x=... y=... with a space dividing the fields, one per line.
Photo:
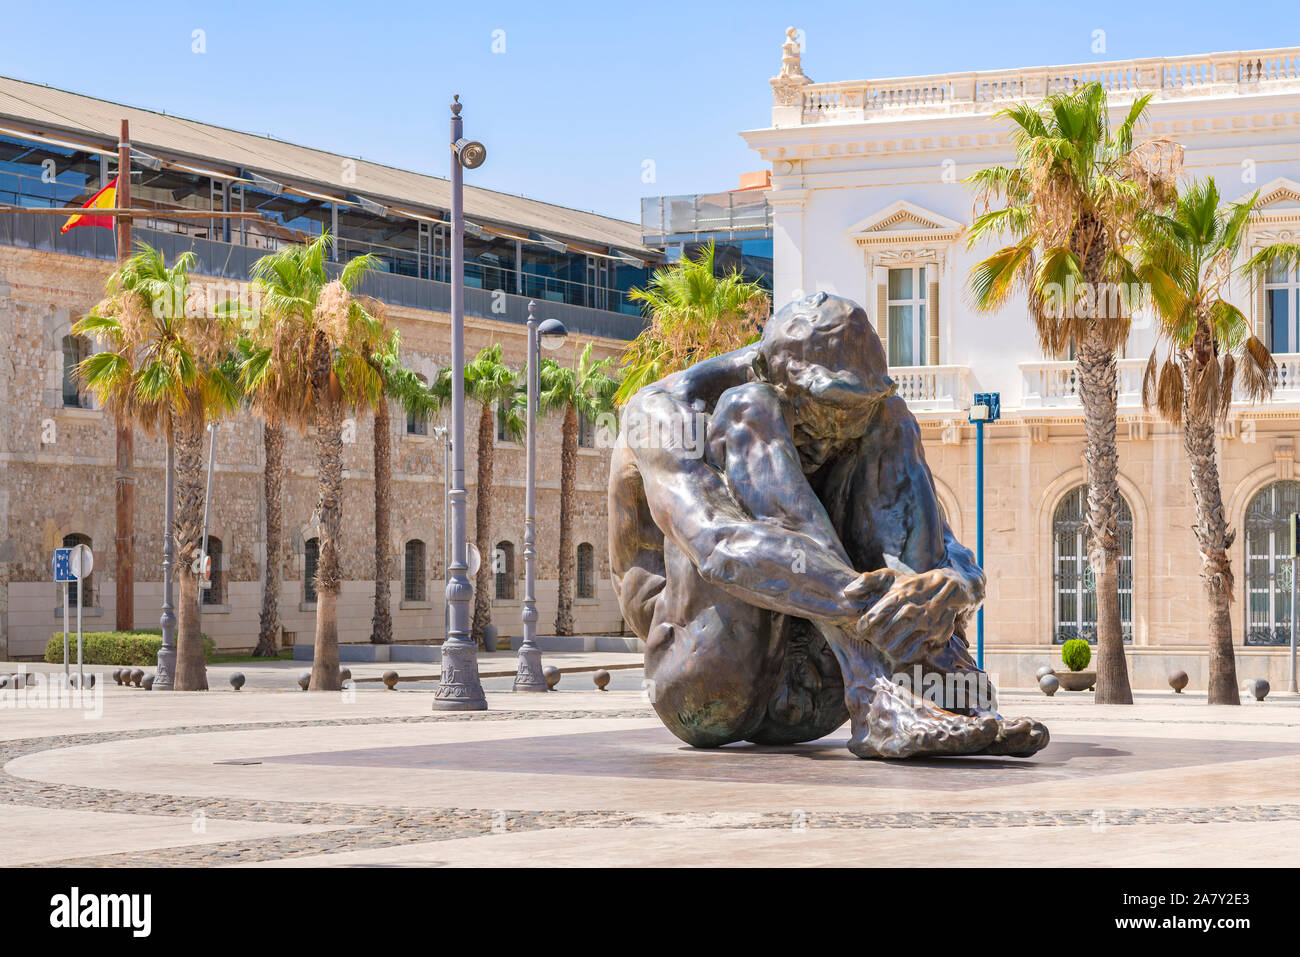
x=62 y=565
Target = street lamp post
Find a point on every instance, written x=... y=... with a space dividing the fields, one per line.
x=987 y=407
x=551 y=334
x=165 y=676
x=441 y=433
x=459 y=687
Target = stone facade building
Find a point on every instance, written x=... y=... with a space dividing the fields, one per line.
x=57 y=448
x=868 y=201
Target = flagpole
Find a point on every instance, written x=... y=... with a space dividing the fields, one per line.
x=124 y=476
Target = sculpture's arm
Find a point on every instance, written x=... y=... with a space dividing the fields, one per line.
x=904 y=507
x=946 y=584
x=774 y=566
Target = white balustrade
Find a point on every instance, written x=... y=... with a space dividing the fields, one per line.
x=1055 y=385
x=933 y=388
x=1166 y=77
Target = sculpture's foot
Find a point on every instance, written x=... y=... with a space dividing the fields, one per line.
x=899 y=724
x=1018 y=737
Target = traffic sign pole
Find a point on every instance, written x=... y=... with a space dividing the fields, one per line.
x=66 y=616
x=81 y=600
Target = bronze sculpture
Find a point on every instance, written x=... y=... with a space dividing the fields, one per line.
x=776 y=541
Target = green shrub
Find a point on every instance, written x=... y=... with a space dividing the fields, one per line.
x=1076 y=654
x=116 y=647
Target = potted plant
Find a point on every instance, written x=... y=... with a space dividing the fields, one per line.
x=1076 y=654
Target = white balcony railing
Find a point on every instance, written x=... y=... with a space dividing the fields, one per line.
x=933 y=388
x=1055 y=385
x=1166 y=77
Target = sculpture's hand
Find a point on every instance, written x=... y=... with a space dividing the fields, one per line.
x=916 y=615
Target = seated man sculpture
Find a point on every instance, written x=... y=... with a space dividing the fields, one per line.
x=776 y=541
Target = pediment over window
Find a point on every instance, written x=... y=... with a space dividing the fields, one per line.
x=905 y=223
x=1278 y=204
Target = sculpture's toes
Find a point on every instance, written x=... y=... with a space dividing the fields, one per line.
x=1019 y=737
x=900 y=725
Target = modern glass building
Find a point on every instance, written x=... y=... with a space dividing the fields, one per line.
x=738 y=223
x=57 y=149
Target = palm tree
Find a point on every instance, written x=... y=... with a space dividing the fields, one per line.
x=307 y=361
x=585 y=389
x=496 y=388
x=415 y=396
x=1067 y=205
x=1187 y=260
x=273 y=496
x=694 y=315
x=165 y=366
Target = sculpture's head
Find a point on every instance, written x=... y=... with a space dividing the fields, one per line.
x=825 y=357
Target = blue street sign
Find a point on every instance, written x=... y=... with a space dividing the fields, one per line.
x=62 y=565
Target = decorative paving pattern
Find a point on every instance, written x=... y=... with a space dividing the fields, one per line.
x=354 y=828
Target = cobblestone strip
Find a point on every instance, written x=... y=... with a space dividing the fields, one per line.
x=357 y=828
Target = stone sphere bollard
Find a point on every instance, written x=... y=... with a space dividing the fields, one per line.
x=390 y=679
x=137 y=676
x=4 y=681
x=1178 y=680
x=237 y=680
x=1044 y=671
x=304 y=679
x=345 y=674
x=1049 y=684
x=552 y=676
x=601 y=678
x=1260 y=688
x=117 y=675
x=147 y=682
x=90 y=680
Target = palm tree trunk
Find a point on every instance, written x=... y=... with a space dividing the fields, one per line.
x=272 y=482
x=1213 y=539
x=381 y=628
x=191 y=672
x=329 y=510
x=1097 y=391
x=483 y=523
x=568 y=484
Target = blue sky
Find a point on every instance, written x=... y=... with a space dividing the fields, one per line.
x=583 y=93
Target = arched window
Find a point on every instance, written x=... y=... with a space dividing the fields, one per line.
x=414 y=576
x=503 y=563
x=1268 y=566
x=75 y=395
x=417 y=423
x=586 y=431
x=311 y=559
x=88 y=583
x=215 y=593
x=586 y=571
x=1076 y=589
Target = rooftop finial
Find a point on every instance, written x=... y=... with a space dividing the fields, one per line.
x=787 y=85
x=456 y=104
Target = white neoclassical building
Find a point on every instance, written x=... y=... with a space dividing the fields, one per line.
x=868 y=202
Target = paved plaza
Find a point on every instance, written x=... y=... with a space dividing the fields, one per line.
x=275 y=776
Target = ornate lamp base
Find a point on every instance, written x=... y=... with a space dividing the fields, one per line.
x=529 y=676
x=459 y=688
x=164 y=678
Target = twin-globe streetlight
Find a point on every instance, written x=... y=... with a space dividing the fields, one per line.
x=459 y=687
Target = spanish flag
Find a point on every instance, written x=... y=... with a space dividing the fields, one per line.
x=106 y=198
